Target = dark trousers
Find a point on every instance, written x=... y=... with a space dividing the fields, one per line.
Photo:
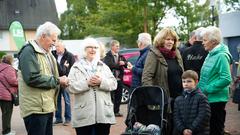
x=96 y=129
x=218 y=114
x=116 y=96
x=7 y=109
x=39 y=124
x=67 y=104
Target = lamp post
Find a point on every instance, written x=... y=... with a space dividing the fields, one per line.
x=212 y=2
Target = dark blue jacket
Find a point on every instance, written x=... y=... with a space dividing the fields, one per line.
x=192 y=111
x=138 y=68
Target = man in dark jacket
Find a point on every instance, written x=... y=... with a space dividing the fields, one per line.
x=116 y=63
x=194 y=56
x=191 y=110
x=144 y=42
x=192 y=39
x=65 y=61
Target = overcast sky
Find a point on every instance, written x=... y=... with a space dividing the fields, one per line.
x=61 y=6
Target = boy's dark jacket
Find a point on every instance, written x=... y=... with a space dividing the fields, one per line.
x=192 y=111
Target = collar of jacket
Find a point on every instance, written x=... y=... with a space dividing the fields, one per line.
x=145 y=49
x=36 y=47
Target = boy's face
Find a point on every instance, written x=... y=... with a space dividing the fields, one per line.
x=188 y=84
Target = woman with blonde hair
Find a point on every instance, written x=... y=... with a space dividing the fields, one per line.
x=164 y=66
x=91 y=82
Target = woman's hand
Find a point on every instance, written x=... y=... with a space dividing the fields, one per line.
x=95 y=80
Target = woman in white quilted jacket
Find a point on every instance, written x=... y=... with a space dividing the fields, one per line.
x=91 y=82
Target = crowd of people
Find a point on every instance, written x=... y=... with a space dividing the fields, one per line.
x=196 y=79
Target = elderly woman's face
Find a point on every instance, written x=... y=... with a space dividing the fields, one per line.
x=168 y=42
x=208 y=44
x=91 y=52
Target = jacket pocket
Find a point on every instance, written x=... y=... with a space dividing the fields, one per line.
x=108 y=108
x=81 y=111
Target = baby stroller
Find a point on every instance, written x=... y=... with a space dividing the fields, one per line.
x=147 y=111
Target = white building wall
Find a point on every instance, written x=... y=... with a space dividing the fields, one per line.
x=230 y=24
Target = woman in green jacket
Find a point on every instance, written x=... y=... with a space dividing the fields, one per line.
x=215 y=78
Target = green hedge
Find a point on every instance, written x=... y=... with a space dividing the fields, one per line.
x=1 y=54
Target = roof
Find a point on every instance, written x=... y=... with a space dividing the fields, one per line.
x=31 y=13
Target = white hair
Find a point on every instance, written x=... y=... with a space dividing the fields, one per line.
x=213 y=33
x=47 y=28
x=199 y=33
x=91 y=42
x=145 y=38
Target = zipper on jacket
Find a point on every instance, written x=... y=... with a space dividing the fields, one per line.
x=95 y=98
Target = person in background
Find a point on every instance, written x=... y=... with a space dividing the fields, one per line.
x=102 y=50
x=164 y=67
x=8 y=76
x=215 y=77
x=91 y=82
x=65 y=60
x=189 y=43
x=194 y=106
x=194 y=56
x=39 y=80
x=116 y=63
x=144 y=43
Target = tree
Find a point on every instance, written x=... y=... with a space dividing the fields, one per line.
x=123 y=19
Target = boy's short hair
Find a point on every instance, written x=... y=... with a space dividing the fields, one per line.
x=190 y=74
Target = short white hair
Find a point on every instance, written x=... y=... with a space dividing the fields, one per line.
x=47 y=28
x=89 y=41
x=199 y=33
x=213 y=33
x=145 y=38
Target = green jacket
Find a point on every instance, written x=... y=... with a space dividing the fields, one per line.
x=215 y=75
x=38 y=83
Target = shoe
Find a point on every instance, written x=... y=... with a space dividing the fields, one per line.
x=66 y=123
x=226 y=132
x=57 y=122
x=118 y=114
x=11 y=133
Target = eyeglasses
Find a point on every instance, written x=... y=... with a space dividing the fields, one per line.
x=92 y=47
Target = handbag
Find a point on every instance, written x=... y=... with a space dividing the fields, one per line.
x=236 y=95
x=15 y=96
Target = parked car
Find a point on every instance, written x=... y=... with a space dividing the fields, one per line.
x=131 y=56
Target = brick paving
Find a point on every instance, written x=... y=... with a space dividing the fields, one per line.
x=232 y=122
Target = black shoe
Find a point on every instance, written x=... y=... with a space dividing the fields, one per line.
x=118 y=114
x=57 y=122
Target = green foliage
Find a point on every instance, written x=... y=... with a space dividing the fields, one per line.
x=2 y=54
x=124 y=19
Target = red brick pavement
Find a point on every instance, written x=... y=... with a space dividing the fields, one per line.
x=232 y=123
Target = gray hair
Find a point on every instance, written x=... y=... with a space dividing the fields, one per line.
x=213 y=33
x=192 y=34
x=47 y=28
x=114 y=42
x=145 y=38
x=199 y=33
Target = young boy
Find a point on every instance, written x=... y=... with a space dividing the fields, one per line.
x=191 y=109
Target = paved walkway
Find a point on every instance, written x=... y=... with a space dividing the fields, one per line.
x=232 y=123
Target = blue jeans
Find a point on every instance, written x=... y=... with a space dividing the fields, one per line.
x=39 y=124
x=67 y=102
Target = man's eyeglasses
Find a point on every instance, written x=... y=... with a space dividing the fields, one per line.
x=92 y=47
